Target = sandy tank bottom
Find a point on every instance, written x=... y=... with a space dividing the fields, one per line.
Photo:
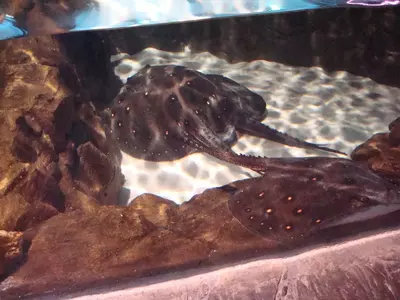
x=337 y=109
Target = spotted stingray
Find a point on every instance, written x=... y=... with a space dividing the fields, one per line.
x=299 y=197
x=166 y=112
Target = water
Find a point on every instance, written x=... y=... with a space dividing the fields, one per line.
x=46 y=18
x=174 y=215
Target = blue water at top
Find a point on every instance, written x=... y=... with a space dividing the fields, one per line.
x=108 y=14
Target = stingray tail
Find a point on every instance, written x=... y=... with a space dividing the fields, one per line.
x=260 y=130
x=256 y=163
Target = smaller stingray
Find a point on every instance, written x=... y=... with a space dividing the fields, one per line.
x=300 y=196
x=166 y=112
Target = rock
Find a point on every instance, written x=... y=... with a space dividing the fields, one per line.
x=18 y=214
x=12 y=208
x=55 y=156
x=10 y=250
x=382 y=152
x=161 y=212
x=45 y=155
x=93 y=160
x=31 y=97
x=150 y=236
x=207 y=217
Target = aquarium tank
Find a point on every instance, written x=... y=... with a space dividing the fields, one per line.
x=200 y=149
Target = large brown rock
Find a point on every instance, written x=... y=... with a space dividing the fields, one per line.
x=48 y=136
x=153 y=235
x=32 y=98
x=53 y=151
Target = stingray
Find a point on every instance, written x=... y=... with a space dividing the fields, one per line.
x=298 y=197
x=166 y=112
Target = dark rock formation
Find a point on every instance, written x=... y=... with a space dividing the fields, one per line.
x=52 y=145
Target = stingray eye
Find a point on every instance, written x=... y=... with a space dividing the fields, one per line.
x=317 y=221
x=189 y=83
x=119 y=124
x=261 y=194
x=247 y=210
